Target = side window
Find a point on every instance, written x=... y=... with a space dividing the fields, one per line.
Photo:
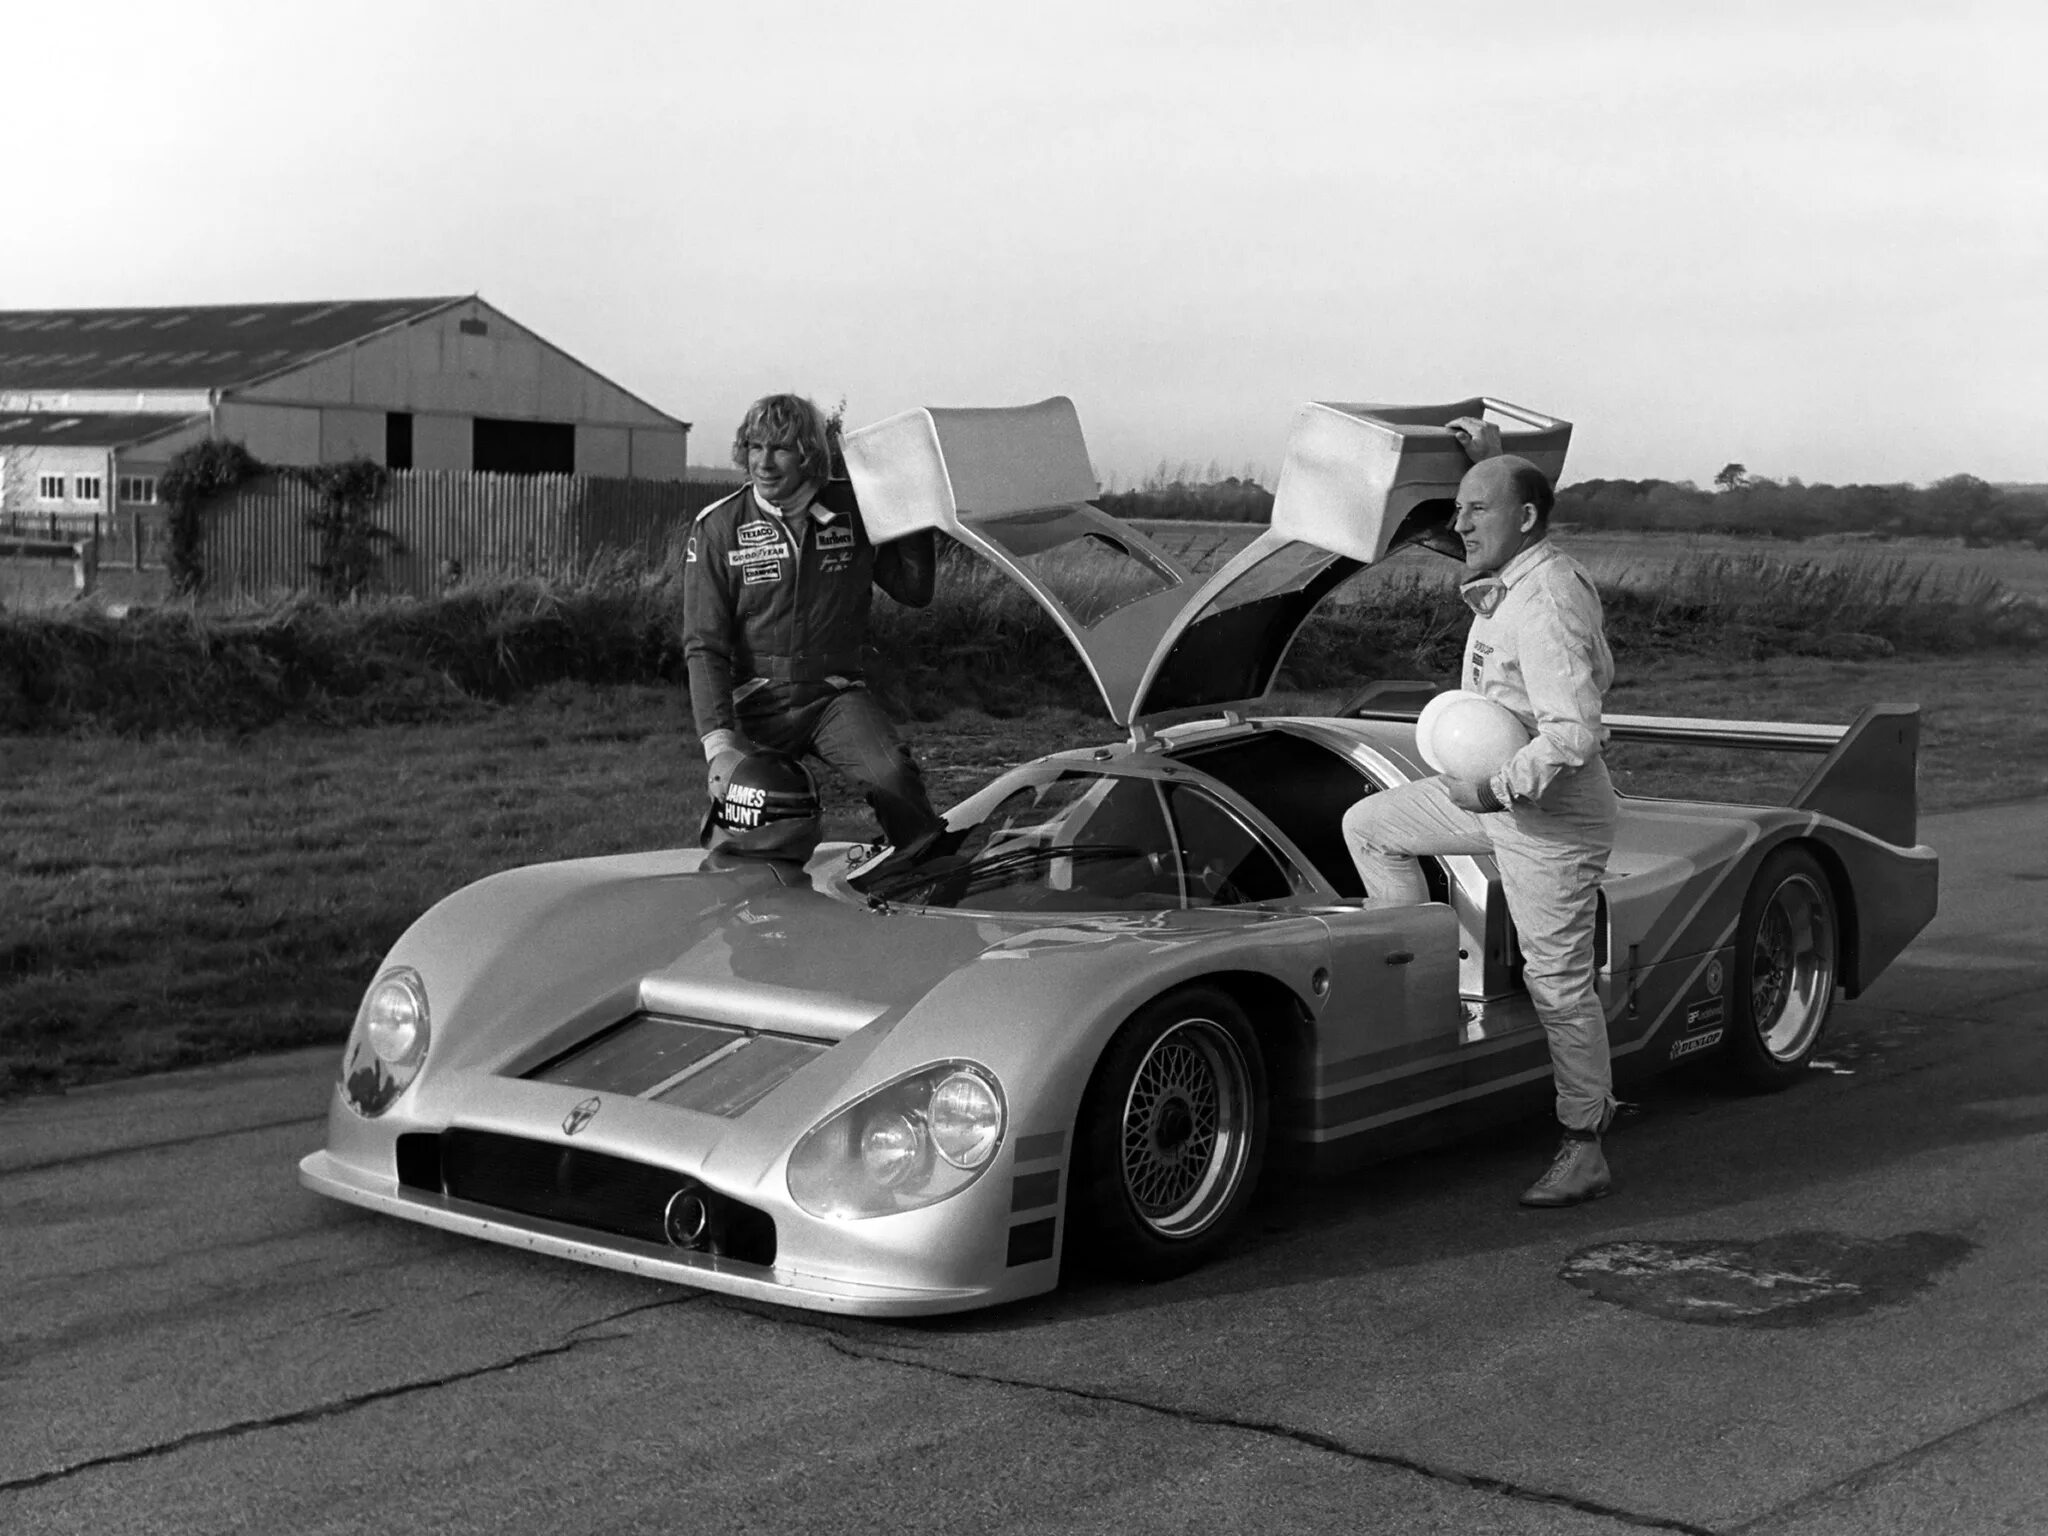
x=1302 y=787
x=1226 y=865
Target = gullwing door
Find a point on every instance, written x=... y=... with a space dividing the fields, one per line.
x=1014 y=484
x=1359 y=481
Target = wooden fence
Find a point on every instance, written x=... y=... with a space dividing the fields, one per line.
x=448 y=526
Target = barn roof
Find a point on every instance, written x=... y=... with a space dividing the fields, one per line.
x=186 y=346
x=85 y=429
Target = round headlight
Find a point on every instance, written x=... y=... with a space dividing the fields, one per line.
x=966 y=1120
x=908 y=1143
x=890 y=1149
x=394 y=1018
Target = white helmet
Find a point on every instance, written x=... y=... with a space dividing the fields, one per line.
x=1467 y=735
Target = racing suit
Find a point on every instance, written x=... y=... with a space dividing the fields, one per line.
x=1538 y=648
x=775 y=617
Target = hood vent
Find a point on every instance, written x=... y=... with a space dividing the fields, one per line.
x=715 y=1069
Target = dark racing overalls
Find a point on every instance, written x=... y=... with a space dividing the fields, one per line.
x=775 y=619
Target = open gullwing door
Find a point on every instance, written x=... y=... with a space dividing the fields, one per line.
x=1358 y=483
x=1014 y=484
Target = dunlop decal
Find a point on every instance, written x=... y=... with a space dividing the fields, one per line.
x=1692 y=1043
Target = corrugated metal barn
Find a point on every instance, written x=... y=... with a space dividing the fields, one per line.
x=94 y=402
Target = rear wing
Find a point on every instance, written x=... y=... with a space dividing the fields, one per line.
x=1868 y=778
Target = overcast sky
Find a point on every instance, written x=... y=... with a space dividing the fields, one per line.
x=1812 y=237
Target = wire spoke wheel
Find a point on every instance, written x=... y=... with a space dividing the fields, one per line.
x=1172 y=1135
x=1184 y=1127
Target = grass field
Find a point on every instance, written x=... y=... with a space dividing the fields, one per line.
x=186 y=899
x=1648 y=558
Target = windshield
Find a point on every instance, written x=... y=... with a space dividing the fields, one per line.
x=1059 y=839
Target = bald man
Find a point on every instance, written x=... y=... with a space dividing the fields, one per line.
x=1538 y=648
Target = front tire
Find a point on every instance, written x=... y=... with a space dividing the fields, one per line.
x=1171 y=1137
x=1787 y=949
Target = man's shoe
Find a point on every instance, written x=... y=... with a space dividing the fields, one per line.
x=1577 y=1174
x=905 y=856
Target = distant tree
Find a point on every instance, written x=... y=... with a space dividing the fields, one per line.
x=1733 y=477
x=195 y=476
x=352 y=545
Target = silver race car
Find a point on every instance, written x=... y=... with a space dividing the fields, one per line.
x=1077 y=1027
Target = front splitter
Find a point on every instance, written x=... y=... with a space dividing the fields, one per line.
x=325 y=1174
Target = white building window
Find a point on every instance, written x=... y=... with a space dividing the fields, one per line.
x=139 y=490
x=49 y=488
x=85 y=488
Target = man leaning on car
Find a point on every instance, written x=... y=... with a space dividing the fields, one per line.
x=1537 y=647
x=776 y=594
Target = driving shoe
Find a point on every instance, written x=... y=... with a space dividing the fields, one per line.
x=1578 y=1173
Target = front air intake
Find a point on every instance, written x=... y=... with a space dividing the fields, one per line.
x=579 y=1188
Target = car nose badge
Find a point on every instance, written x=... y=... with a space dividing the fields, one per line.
x=581 y=1116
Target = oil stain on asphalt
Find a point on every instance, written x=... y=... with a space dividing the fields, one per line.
x=1792 y=1280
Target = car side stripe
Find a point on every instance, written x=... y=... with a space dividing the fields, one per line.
x=1034 y=1191
x=1031 y=1242
x=1032 y=1149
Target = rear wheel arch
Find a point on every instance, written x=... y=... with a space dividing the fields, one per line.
x=1848 y=921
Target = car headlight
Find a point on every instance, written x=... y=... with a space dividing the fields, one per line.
x=388 y=1043
x=910 y=1143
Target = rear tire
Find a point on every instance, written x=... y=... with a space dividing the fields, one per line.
x=1787 y=949
x=1171 y=1137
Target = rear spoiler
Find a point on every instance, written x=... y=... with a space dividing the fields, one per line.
x=1868 y=778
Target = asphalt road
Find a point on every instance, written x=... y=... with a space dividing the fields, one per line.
x=1821 y=1311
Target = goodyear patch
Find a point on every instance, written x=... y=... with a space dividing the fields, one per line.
x=759 y=563
x=1692 y=1043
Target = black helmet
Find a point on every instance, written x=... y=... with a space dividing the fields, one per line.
x=769 y=810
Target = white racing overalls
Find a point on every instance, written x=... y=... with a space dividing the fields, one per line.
x=1538 y=648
